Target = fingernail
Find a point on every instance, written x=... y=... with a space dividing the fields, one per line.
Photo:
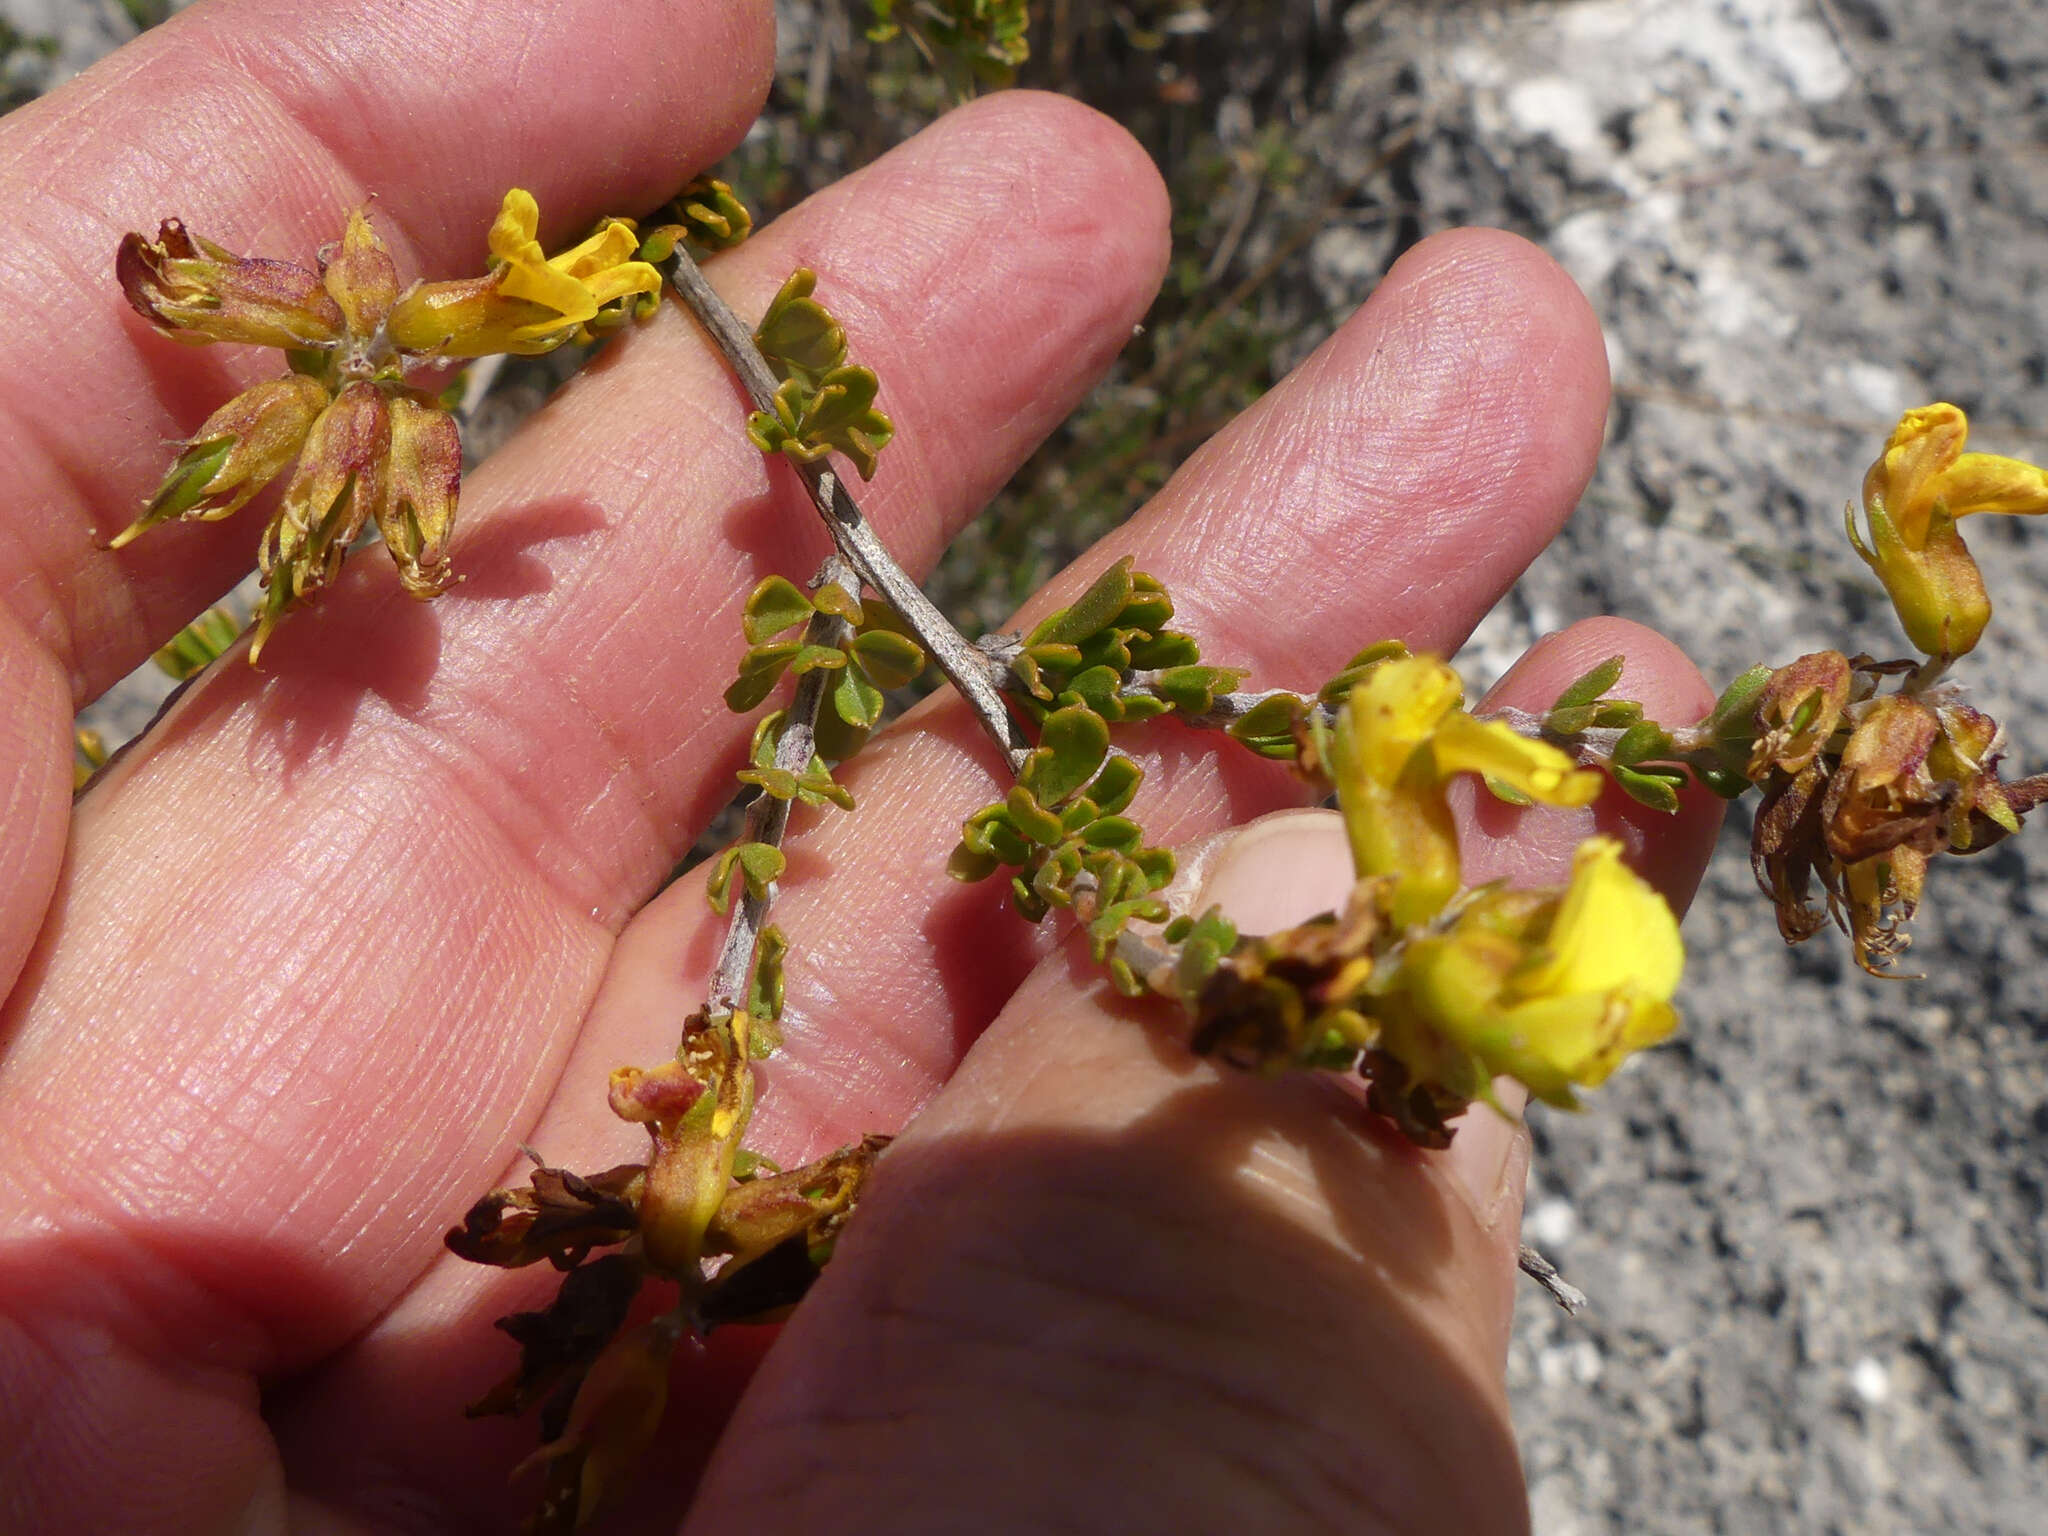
x=1280 y=870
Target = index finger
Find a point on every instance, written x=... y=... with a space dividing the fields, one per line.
x=260 y=123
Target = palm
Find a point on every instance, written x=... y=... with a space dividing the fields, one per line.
x=341 y=932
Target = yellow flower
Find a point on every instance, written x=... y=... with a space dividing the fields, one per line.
x=529 y=303
x=1912 y=497
x=1561 y=1005
x=1465 y=744
x=1399 y=738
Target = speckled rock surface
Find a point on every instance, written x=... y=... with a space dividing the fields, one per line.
x=1813 y=1228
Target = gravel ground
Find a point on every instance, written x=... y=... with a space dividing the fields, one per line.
x=1813 y=1228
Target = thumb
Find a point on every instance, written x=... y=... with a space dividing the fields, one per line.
x=1104 y=1286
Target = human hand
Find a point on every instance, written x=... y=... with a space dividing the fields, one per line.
x=336 y=935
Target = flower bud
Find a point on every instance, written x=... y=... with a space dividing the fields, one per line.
x=339 y=479
x=422 y=481
x=237 y=451
x=200 y=293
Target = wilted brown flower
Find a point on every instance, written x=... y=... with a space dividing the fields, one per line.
x=1862 y=789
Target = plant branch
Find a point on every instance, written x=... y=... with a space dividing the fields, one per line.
x=767 y=816
x=966 y=668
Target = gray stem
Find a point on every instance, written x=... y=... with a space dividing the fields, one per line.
x=968 y=669
x=767 y=816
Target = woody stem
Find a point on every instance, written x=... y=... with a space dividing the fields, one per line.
x=768 y=816
x=968 y=669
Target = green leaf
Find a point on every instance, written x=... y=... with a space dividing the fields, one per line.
x=1099 y=688
x=857 y=701
x=836 y=740
x=779 y=782
x=1152 y=653
x=1267 y=728
x=772 y=607
x=1032 y=820
x=1149 y=609
x=765 y=984
x=1592 y=684
x=890 y=659
x=1096 y=610
x=968 y=866
x=1070 y=748
x=767 y=737
x=1642 y=742
x=1725 y=782
x=834 y=599
x=797 y=335
x=1617 y=714
x=763 y=863
x=760 y=670
x=1571 y=721
x=1031 y=906
x=1654 y=789
x=817 y=787
x=1116 y=785
x=817 y=658
x=1117 y=832
x=1192 y=690
x=198 y=644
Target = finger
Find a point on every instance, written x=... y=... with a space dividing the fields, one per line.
x=1210 y=1301
x=329 y=929
x=1100 y=1286
x=896 y=969
x=261 y=123
x=35 y=790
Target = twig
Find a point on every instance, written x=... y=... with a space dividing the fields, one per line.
x=965 y=667
x=1545 y=1274
x=768 y=816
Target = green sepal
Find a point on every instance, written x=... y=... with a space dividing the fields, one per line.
x=1203 y=941
x=184 y=485
x=1731 y=727
x=772 y=607
x=1338 y=688
x=889 y=658
x=1070 y=749
x=1502 y=790
x=1725 y=782
x=760 y=670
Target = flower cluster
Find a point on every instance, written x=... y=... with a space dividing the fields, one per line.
x=360 y=442
x=1431 y=989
